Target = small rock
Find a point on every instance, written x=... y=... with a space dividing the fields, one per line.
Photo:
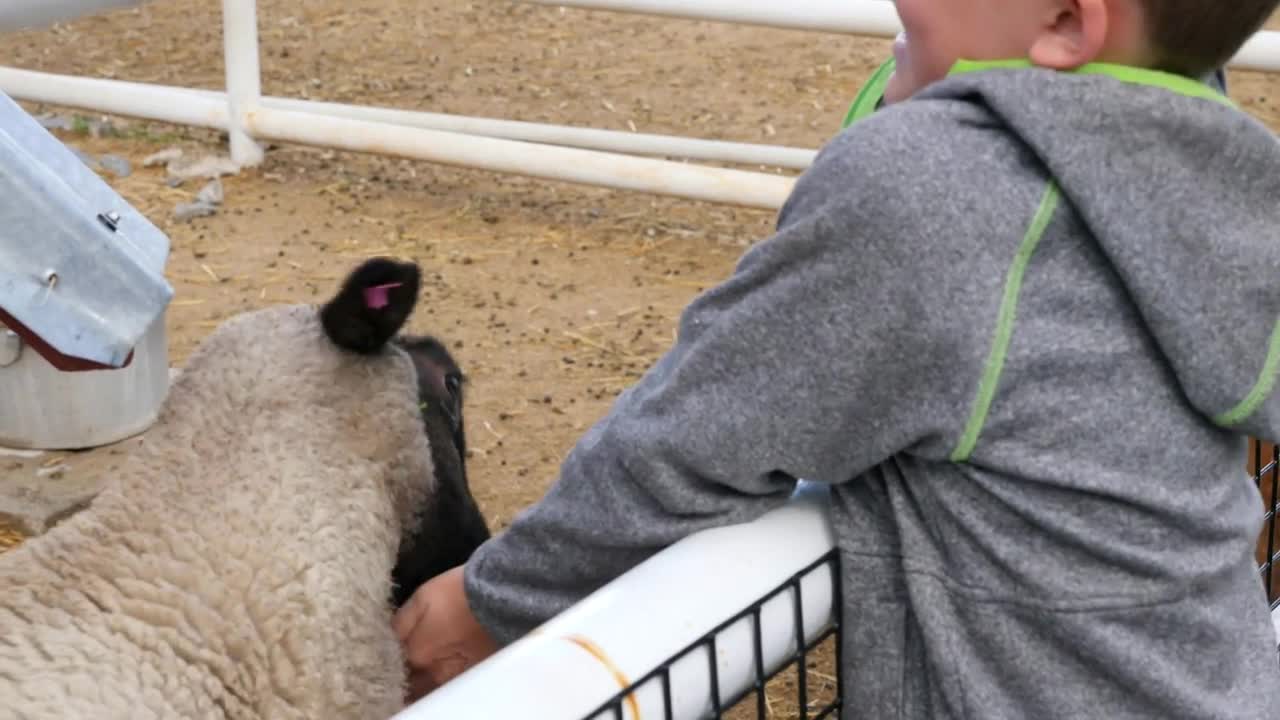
x=186 y=212
x=50 y=121
x=211 y=194
x=210 y=166
x=103 y=128
x=116 y=165
x=168 y=155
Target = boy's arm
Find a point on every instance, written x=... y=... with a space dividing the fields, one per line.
x=812 y=361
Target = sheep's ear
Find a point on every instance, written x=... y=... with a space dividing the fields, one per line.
x=372 y=306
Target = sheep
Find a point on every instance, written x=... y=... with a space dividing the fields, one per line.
x=241 y=563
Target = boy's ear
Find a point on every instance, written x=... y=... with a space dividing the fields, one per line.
x=373 y=304
x=1074 y=33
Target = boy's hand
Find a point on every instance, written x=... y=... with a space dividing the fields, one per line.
x=440 y=636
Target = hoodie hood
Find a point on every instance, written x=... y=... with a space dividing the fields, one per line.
x=1181 y=189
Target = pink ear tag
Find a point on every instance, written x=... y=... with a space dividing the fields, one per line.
x=376 y=297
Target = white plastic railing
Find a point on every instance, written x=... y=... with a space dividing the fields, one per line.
x=1275 y=622
x=244 y=76
x=570 y=666
x=852 y=17
x=857 y=17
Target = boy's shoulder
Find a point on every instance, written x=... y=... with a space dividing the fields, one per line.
x=1000 y=132
x=921 y=159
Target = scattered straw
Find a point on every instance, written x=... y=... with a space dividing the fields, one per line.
x=375 y=252
x=613 y=380
x=9 y=537
x=53 y=461
x=599 y=346
x=597 y=326
x=493 y=432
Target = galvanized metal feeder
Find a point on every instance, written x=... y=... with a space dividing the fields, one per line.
x=83 y=350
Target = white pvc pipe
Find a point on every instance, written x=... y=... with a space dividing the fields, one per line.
x=635 y=623
x=116 y=97
x=244 y=77
x=1275 y=622
x=1261 y=53
x=858 y=17
x=550 y=162
x=76 y=91
x=855 y=17
x=569 y=136
x=187 y=107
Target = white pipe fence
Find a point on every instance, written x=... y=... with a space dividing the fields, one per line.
x=635 y=143
x=856 y=17
x=596 y=156
x=570 y=666
x=545 y=161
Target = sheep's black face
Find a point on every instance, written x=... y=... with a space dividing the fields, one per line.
x=366 y=315
x=454 y=527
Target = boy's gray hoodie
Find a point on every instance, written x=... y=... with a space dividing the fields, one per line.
x=1022 y=323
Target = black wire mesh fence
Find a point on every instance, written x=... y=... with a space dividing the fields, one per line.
x=817 y=694
x=1265 y=467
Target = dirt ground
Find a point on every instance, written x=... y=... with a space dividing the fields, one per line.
x=554 y=296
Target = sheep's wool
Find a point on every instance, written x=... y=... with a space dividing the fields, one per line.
x=239 y=563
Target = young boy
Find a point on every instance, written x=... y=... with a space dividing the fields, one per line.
x=1021 y=319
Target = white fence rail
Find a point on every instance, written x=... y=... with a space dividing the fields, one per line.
x=588 y=156
x=851 y=17
x=858 y=17
x=569 y=667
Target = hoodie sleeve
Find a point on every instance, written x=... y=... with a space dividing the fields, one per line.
x=817 y=359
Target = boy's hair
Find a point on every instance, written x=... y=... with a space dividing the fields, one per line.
x=1194 y=37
